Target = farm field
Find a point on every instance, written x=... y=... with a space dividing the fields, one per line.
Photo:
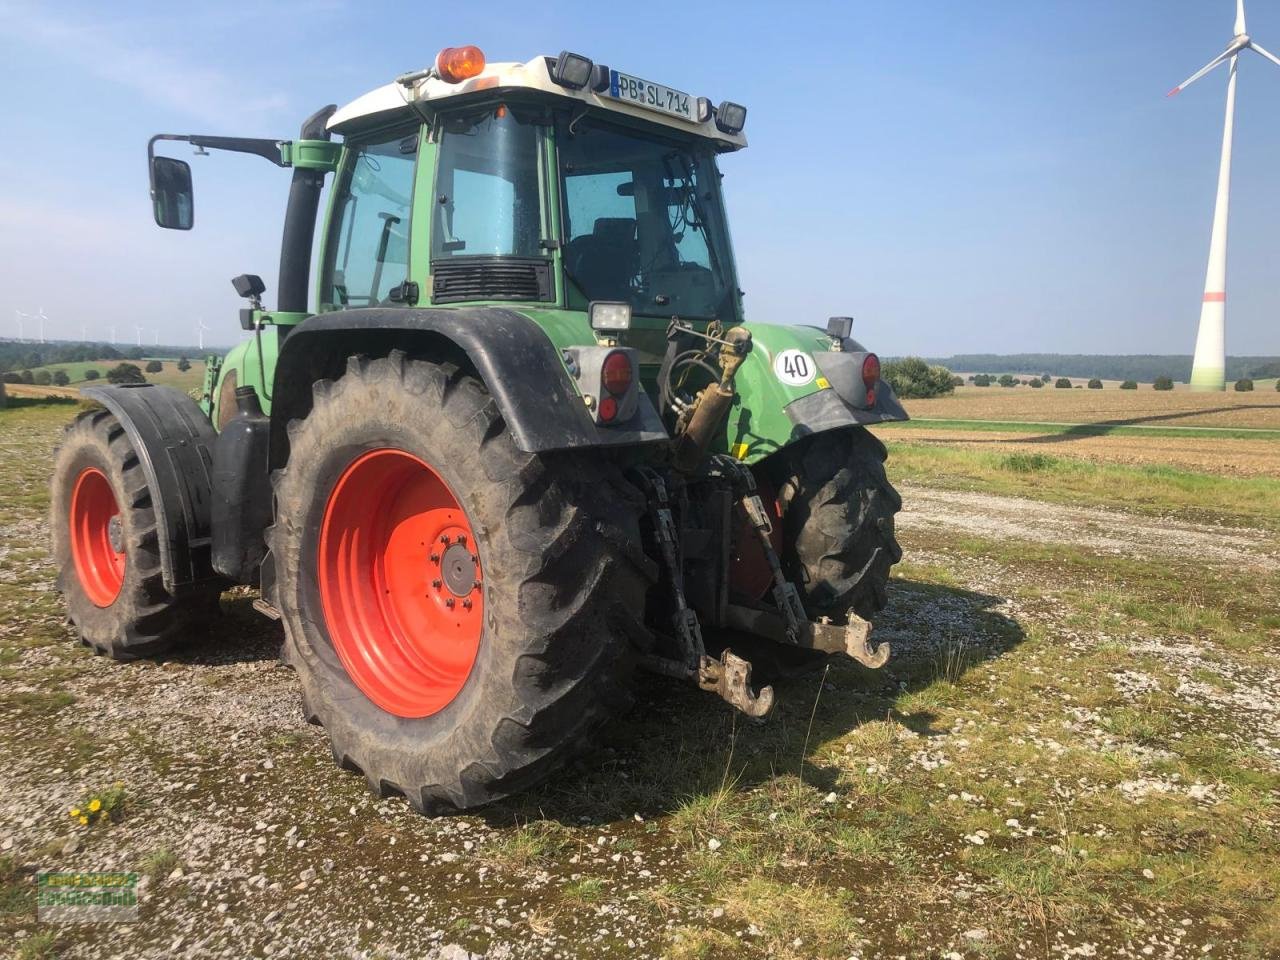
x=1235 y=434
x=1142 y=407
x=169 y=376
x=1074 y=752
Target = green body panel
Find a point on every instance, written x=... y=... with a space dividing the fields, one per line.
x=311 y=154
x=243 y=359
x=758 y=424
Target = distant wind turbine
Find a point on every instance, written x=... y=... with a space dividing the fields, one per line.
x=155 y=338
x=42 y=318
x=113 y=333
x=20 y=317
x=200 y=329
x=137 y=330
x=1209 y=368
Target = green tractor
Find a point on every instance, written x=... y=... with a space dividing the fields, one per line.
x=519 y=443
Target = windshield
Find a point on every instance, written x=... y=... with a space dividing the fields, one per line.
x=643 y=222
x=487 y=187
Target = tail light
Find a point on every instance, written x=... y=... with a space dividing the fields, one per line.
x=455 y=64
x=870 y=377
x=608 y=409
x=616 y=376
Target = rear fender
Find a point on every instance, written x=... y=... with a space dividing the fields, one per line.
x=520 y=366
x=793 y=385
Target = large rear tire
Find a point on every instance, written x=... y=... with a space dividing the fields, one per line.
x=106 y=546
x=837 y=510
x=461 y=615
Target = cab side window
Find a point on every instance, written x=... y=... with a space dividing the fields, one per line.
x=368 y=246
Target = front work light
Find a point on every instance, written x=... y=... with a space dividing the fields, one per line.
x=731 y=117
x=608 y=315
x=571 y=70
x=455 y=64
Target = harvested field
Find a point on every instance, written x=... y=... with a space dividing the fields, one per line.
x=1261 y=408
x=1208 y=454
x=1074 y=752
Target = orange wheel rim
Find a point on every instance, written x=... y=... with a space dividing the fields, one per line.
x=400 y=582
x=97 y=537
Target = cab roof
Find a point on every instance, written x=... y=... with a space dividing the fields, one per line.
x=399 y=97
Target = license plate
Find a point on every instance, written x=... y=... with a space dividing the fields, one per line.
x=651 y=96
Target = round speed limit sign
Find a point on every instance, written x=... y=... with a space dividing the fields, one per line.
x=794 y=367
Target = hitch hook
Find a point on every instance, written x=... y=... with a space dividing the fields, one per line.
x=730 y=679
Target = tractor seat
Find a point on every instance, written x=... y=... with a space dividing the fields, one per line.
x=604 y=261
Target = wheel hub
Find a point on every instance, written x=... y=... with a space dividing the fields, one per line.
x=97 y=537
x=459 y=570
x=400 y=582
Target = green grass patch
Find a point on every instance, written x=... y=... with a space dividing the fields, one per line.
x=1148 y=489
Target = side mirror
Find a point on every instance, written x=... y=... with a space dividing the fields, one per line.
x=171 y=195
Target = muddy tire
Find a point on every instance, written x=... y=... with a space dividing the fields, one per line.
x=838 y=508
x=106 y=547
x=461 y=615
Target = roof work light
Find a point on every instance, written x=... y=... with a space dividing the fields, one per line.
x=572 y=70
x=731 y=117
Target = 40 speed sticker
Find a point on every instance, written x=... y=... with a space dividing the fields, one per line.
x=794 y=367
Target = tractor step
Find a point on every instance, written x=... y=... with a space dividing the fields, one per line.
x=266 y=609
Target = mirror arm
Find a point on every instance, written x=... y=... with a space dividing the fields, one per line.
x=267 y=149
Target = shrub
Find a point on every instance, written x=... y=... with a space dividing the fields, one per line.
x=184 y=364
x=913 y=379
x=1163 y=383
x=44 y=377
x=1244 y=385
x=1036 y=383
x=27 y=376
x=60 y=378
x=126 y=373
x=1062 y=383
x=955 y=381
x=1129 y=385
x=91 y=374
x=1007 y=381
x=1277 y=386
x=1095 y=384
x=12 y=377
x=982 y=380
x=154 y=366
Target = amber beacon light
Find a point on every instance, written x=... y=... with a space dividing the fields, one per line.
x=455 y=64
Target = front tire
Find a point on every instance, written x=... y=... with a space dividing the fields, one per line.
x=452 y=705
x=106 y=546
x=838 y=523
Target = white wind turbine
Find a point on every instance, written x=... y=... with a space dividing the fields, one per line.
x=1208 y=369
x=113 y=333
x=137 y=331
x=20 y=317
x=200 y=329
x=43 y=319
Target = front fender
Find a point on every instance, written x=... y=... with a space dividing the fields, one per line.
x=771 y=412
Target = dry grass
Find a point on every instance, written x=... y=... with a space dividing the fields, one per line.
x=1230 y=457
x=1260 y=408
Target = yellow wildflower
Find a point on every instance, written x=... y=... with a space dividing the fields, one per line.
x=75 y=812
x=95 y=805
x=84 y=821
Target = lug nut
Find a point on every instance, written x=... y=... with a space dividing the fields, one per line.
x=444 y=538
x=449 y=602
x=436 y=584
x=435 y=558
x=462 y=539
x=466 y=604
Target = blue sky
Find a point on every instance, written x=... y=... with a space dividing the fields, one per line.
x=959 y=177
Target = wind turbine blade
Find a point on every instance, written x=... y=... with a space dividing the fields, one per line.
x=1219 y=59
x=1266 y=53
x=1239 y=17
